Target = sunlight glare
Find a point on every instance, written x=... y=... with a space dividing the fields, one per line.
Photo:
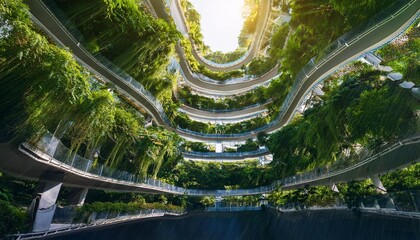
x=221 y=22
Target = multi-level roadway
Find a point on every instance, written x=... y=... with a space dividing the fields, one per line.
x=30 y=163
x=364 y=42
x=227 y=116
x=180 y=21
x=214 y=87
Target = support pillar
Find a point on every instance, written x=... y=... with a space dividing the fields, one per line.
x=378 y=184
x=78 y=196
x=44 y=203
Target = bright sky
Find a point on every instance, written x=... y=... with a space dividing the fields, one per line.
x=221 y=22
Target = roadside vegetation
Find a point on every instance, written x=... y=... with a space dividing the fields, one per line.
x=399 y=184
x=193 y=18
x=124 y=33
x=364 y=110
x=61 y=97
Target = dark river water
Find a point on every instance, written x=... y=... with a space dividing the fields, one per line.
x=266 y=224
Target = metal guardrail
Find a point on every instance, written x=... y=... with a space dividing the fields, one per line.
x=228 y=135
x=340 y=44
x=222 y=120
x=72 y=31
x=202 y=58
x=227 y=154
x=100 y=219
x=346 y=164
x=404 y=203
x=228 y=110
x=233 y=209
x=330 y=51
x=62 y=156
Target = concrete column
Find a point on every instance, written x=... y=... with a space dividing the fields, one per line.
x=78 y=196
x=218 y=202
x=46 y=195
x=390 y=203
x=376 y=205
x=219 y=147
x=378 y=184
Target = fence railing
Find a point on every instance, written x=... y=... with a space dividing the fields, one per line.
x=339 y=44
x=57 y=151
x=316 y=62
x=398 y=203
x=70 y=27
x=330 y=51
x=258 y=152
x=96 y=219
x=347 y=163
x=202 y=58
x=233 y=208
x=227 y=110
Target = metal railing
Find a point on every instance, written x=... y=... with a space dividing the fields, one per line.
x=202 y=58
x=348 y=163
x=222 y=120
x=98 y=219
x=316 y=62
x=228 y=135
x=233 y=208
x=227 y=110
x=341 y=43
x=404 y=203
x=72 y=31
x=61 y=154
x=63 y=157
x=258 y=152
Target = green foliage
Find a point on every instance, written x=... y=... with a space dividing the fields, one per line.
x=198 y=68
x=221 y=175
x=86 y=210
x=333 y=18
x=196 y=101
x=208 y=201
x=403 y=55
x=355 y=14
x=13 y=219
x=127 y=35
x=363 y=109
x=248 y=146
x=195 y=147
x=403 y=179
x=250 y=22
x=321 y=196
x=193 y=19
x=221 y=57
x=355 y=192
x=260 y=66
x=58 y=96
x=183 y=121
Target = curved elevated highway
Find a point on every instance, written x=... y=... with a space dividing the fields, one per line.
x=214 y=87
x=28 y=162
x=220 y=88
x=375 y=36
x=263 y=14
x=234 y=115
